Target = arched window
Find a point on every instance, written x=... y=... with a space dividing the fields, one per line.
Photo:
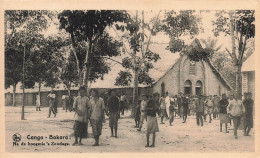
x=187 y=87
x=163 y=89
x=198 y=88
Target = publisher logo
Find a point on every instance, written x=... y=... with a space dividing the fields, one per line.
x=17 y=137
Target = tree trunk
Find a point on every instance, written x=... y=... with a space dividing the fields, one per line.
x=39 y=92
x=238 y=80
x=135 y=94
x=22 y=116
x=87 y=68
x=14 y=95
x=77 y=60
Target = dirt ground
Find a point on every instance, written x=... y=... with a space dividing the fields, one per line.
x=181 y=137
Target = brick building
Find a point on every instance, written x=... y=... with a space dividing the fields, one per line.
x=192 y=78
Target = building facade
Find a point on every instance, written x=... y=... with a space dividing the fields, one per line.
x=248 y=75
x=193 y=78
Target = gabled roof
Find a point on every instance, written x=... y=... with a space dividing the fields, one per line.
x=196 y=43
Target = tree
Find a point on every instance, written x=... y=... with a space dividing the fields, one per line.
x=140 y=57
x=86 y=28
x=219 y=59
x=240 y=26
x=68 y=74
x=22 y=30
x=45 y=62
x=178 y=24
x=13 y=68
x=211 y=44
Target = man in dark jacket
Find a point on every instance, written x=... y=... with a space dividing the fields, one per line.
x=248 y=116
x=114 y=111
x=199 y=105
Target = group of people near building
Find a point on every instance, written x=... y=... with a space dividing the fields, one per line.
x=93 y=109
x=224 y=108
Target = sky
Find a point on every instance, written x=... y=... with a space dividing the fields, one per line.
x=167 y=58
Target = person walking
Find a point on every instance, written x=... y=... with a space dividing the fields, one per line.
x=114 y=112
x=199 y=108
x=63 y=101
x=38 y=103
x=209 y=105
x=185 y=106
x=51 y=96
x=215 y=101
x=67 y=103
x=162 y=108
x=138 y=114
x=167 y=104
x=143 y=111
x=223 y=116
x=236 y=110
x=179 y=101
x=122 y=103
x=97 y=109
x=248 y=116
x=81 y=107
x=204 y=98
x=152 y=125
x=230 y=99
x=171 y=113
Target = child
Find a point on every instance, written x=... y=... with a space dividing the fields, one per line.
x=171 y=111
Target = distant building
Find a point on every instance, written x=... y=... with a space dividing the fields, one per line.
x=172 y=73
x=248 y=75
x=192 y=78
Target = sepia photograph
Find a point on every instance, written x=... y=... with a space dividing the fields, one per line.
x=132 y=81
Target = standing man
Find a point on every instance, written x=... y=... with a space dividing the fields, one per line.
x=204 y=98
x=185 y=106
x=248 y=117
x=81 y=106
x=179 y=101
x=209 y=104
x=223 y=116
x=199 y=107
x=215 y=106
x=167 y=103
x=63 y=101
x=152 y=125
x=114 y=112
x=97 y=109
x=122 y=103
x=171 y=112
x=162 y=108
x=236 y=109
x=231 y=99
x=143 y=111
x=51 y=96
x=38 y=103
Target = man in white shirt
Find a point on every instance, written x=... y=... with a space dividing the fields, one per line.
x=167 y=103
x=235 y=109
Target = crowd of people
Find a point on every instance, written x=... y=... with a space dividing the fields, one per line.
x=212 y=107
x=93 y=108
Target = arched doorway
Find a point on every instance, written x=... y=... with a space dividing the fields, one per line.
x=187 y=87
x=162 y=89
x=198 y=88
